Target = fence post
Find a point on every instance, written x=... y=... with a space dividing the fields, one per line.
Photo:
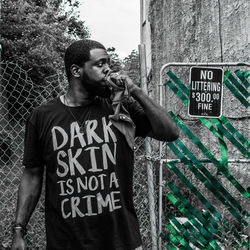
x=148 y=152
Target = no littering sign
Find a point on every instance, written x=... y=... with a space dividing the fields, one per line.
x=205 y=92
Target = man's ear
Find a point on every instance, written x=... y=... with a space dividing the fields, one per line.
x=75 y=70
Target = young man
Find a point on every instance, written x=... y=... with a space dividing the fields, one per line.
x=84 y=139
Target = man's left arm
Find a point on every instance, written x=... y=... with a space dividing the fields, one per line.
x=163 y=128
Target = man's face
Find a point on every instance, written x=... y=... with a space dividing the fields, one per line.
x=94 y=71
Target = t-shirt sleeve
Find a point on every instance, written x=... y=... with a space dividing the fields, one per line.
x=142 y=123
x=32 y=148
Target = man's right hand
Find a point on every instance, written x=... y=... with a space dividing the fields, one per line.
x=18 y=242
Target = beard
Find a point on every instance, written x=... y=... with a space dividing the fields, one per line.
x=95 y=88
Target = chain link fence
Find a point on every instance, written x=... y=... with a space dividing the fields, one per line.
x=18 y=97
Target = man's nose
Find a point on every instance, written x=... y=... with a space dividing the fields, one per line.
x=106 y=70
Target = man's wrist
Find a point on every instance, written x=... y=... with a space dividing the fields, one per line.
x=18 y=228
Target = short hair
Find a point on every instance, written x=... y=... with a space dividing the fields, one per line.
x=79 y=52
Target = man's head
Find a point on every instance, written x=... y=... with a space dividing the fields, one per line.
x=78 y=53
x=87 y=64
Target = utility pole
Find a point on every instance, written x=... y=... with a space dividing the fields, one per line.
x=3 y=99
x=0 y=32
x=148 y=153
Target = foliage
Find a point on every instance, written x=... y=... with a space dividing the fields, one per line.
x=115 y=62
x=36 y=32
x=132 y=66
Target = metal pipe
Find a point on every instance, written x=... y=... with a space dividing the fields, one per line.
x=160 y=205
x=151 y=198
x=160 y=181
x=207 y=160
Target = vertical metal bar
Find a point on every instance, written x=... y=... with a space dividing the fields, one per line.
x=160 y=205
x=148 y=149
x=160 y=169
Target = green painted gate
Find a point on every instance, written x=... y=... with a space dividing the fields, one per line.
x=206 y=183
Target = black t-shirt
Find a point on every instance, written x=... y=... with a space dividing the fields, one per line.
x=88 y=202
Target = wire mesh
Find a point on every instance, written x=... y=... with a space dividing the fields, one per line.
x=18 y=97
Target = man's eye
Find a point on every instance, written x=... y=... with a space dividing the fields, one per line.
x=100 y=64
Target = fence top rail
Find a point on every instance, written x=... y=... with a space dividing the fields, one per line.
x=205 y=161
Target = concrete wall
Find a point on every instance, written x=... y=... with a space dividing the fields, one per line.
x=199 y=31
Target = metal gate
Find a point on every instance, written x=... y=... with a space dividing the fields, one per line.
x=205 y=174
